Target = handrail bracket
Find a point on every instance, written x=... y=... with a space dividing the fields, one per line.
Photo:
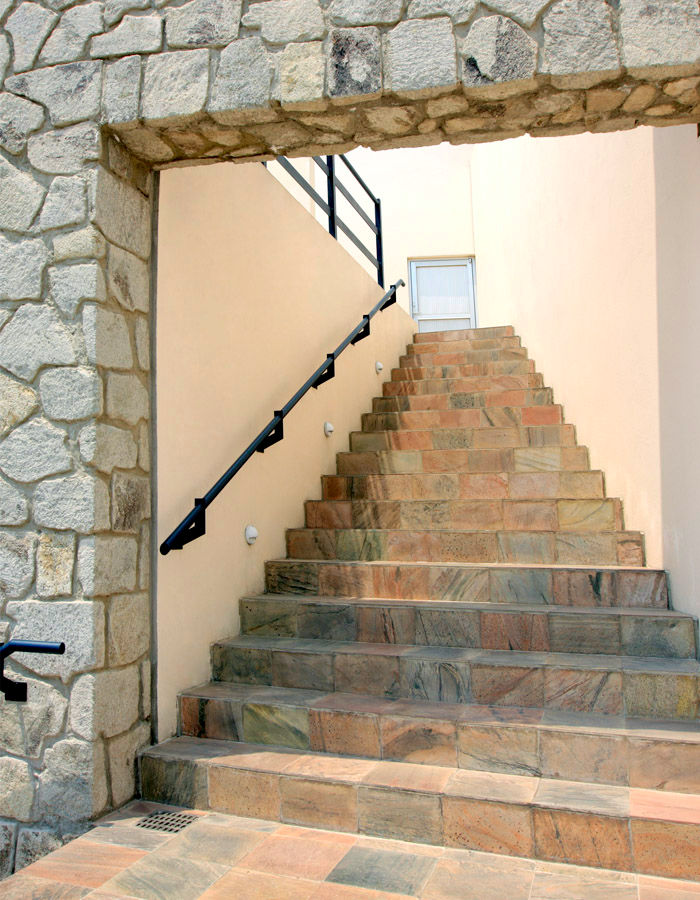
x=277 y=433
x=361 y=335
x=327 y=374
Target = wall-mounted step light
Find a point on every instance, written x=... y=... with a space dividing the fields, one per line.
x=251 y=534
x=378 y=367
x=328 y=429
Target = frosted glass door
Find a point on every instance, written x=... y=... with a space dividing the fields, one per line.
x=442 y=294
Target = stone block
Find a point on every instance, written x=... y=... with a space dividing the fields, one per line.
x=460 y=11
x=391 y=119
x=73 y=784
x=68 y=40
x=131 y=501
x=354 y=64
x=525 y=12
x=244 y=76
x=18 y=119
x=8 y=838
x=35 y=450
x=107 y=340
x=33 y=843
x=25 y=727
x=70 y=92
x=65 y=203
x=106 y=447
x=4 y=56
x=70 y=285
x=55 y=556
x=175 y=84
x=69 y=394
x=115 y=9
x=128 y=280
x=128 y=628
x=134 y=34
x=301 y=73
x=107 y=564
x=80 y=624
x=578 y=38
x=420 y=56
x=145 y=557
x=104 y=704
x=286 y=21
x=659 y=34
x=64 y=152
x=127 y=398
x=85 y=243
x=17 y=402
x=142 y=339
x=121 y=89
x=14 y=508
x=16 y=789
x=77 y=502
x=121 y=753
x=29 y=25
x=498 y=50
x=21 y=268
x=365 y=12
x=22 y=197
x=16 y=564
x=203 y=23
x=122 y=213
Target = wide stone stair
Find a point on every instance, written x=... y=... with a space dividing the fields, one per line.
x=463 y=646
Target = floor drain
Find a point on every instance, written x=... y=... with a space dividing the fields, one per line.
x=162 y=820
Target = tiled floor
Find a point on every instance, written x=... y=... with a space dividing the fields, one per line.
x=219 y=857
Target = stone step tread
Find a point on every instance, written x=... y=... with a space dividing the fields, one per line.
x=493 y=331
x=424 y=375
x=493 y=658
x=454 y=354
x=416 y=418
x=465 y=370
x=489 y=438
x=471 y=384
x=433 y=462
x=476 y=399
x=500 y=350
x=612 y=801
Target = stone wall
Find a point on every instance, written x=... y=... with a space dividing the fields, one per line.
x=94 y=95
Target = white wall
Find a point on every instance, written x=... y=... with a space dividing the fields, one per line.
x=677 y=163
x=565 y=236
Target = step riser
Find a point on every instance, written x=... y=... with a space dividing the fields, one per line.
x=511 y=368
x=464 y=334
x=464 y=438
x=554 y=587
x=493 y=345
x=434 y=355
x=498 y=486
x=494 y=417
x=473 y=400
x=464 y=385
x=556 y=631
x=487 y=746
x=485 y=515
x=408 y=462
x=528 y=828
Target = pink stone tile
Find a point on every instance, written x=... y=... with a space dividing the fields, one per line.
x=85 y=863
x=407 y=776
x=302 y=857
x=665 y=806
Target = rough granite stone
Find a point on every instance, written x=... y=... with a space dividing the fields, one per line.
x=104 y=704
x=131 y=501
x=420 y=55
x=127 y=398
x=77 y=502
x=121 y=90
x=73 y=783
x=22 y=197
x=69 y=394
x=134 y=34
x=107 y=564
x=128 y=628
x=142 y=339
x=14 y=509
x=69 y=38
x=65 y=203
x=365 y=12
x=64 y=152
x=34 y=451
x=33 y=843
x=87 y=243
x=80 y=623
x=107 y=340
x=70 y=285
x=128 y=280
x=354 y=64
x=18 y=119
x=4 y=56
x=496 y=50
x=35 y=336
x=55 y=556
x=244 y=76
x=659 y=34
x=122 y=752
x=578 y=38
x=17 y=402
x=123 y=214
x=115 y=9
x=301 y=72
x=203 y=23
x=21 y=268
x=106 y=447
x=523 y=11
x=175 y=84
x=16 y=565
x=29 y=24
x=284 y=21
x=460 y=11
x=8 y=838
x=24 y=728
x=16 y=789
x=70 y=92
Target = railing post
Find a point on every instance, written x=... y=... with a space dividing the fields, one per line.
x=332 y=226
x=380 y=243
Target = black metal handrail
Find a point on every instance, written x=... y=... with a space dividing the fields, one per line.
x=330 y=206
x=16 y=691
x=193 y=525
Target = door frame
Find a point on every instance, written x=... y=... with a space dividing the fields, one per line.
x=412 y=287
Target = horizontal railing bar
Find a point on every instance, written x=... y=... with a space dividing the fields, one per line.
x=194 y=518
x=355 y=205
x=358 y=177
x=356 y=241
x=303 y=183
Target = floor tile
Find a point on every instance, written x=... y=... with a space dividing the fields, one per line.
x=155 y=878
x=304 y=857
x=480 y=877
x=212 y=843
x=25 y=887
x=399 y=873
x=84 y=863
x=243 y=885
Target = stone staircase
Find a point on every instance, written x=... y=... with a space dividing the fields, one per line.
x=463 y=646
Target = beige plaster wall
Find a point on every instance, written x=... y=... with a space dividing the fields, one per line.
x=677 y=165
x=252 y=294
x=566 y=252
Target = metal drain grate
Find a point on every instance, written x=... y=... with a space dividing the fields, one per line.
x=162 y=820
